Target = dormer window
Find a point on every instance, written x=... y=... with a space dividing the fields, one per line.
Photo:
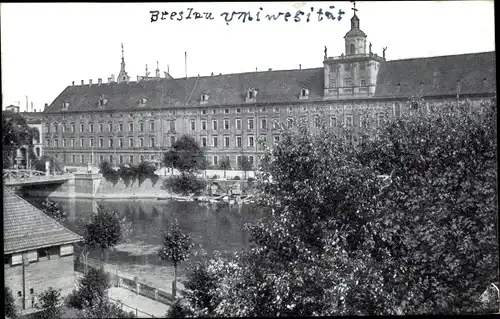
x=204 y=98
x=102 y=101
x=251 y=95
x=304 y=93
x=142 y=101
x=65 y=106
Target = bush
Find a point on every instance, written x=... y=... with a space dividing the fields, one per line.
x=215 y=176
x=10 y=308
x=92 y=289
x=49 y=303
x=237 y=178
x=184 y=184
x=109 y=173
x=178 y=310
x=126 y=173
x=250 y=180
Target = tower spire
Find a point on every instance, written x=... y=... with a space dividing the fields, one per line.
x=123 y=76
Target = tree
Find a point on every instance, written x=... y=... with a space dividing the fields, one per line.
x=176 y=248
x=170 y=159
x=16 y=133
x=438 y=201
x=92 y=290
x=108 y=172
x=186 y=155
x=403 y=224
x=91 y=297
x=224 y=165
x=10 y=307
x=53 y=210
x=107 y=309
x=178 y=310
x=55 y=165
x=185 y=183
x=104 y=231
x=49 y=303
x=245 y=165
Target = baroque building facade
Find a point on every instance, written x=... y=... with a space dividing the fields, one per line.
x=236 y=115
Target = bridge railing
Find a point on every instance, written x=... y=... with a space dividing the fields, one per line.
x=21 y=174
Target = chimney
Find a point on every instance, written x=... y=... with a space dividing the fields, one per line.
x=99 y=81
x=82 y=82
x=31 y=106
x=73 y=83
x=300 y=66
x=220 y=73
x=212 y=74
x=90 y=82
x=270 y=69
x=46 y=105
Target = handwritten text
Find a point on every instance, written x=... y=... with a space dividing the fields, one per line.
x=244 y=16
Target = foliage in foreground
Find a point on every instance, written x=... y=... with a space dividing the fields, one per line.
x=49 y=302
x=10 y=307
x=91 y=297
x=401 y=224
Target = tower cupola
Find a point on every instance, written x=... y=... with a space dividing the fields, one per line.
x=355 y=39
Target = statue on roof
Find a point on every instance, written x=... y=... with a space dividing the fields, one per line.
x=370 y=47
x=326 y=55
x=383 y=52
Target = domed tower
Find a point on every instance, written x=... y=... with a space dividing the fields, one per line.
x=355 y=39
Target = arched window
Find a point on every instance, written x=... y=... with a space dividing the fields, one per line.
x=352 y=48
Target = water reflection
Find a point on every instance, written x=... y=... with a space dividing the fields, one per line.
x=215 y=227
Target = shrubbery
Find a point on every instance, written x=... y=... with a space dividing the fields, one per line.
x=129 y=173
x=185 y=183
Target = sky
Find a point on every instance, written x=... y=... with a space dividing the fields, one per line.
x=46 y=46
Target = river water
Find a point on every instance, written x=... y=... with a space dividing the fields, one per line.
x=213 y=226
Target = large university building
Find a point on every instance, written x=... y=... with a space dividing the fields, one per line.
x=125 y=121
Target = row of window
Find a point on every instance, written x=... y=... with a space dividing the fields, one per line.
x=120 y=126
x=140 y=143
x=215 y=127
x=347 y=82
x=121 y=144
x=216 y=161
x=100 y=127
x=74 y=159
x=122 y=159
x=40 y=254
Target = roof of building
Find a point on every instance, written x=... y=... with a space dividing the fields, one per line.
x=476 y=73
x=285 y=85
x=27 y=228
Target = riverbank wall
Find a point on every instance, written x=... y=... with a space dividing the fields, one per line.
x=94 y=186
